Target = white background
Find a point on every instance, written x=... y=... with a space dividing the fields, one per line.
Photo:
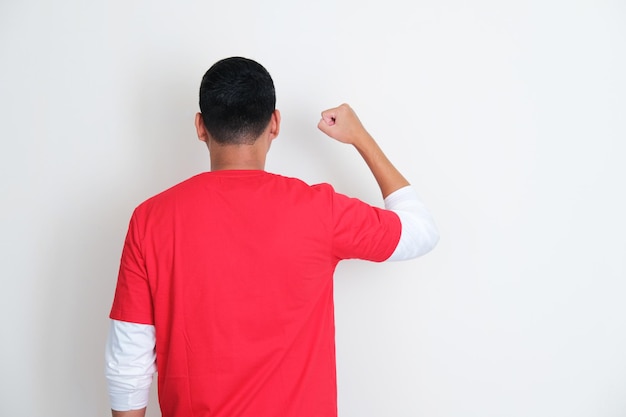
x=508 y=117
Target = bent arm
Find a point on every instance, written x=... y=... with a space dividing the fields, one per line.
x=419 y=233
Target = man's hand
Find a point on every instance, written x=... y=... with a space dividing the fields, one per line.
x=342 y=123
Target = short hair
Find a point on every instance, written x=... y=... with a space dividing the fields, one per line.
x=237 y=99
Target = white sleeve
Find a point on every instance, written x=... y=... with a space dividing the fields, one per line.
x=419 y=233
x=130 y=363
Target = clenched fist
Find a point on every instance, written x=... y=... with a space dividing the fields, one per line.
x=342 y=123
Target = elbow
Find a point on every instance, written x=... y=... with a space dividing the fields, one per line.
x=415 y=241
x=426 y=240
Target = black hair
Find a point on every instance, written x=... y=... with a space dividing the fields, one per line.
x=237 y=99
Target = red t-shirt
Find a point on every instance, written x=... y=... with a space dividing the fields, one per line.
x=234 y=269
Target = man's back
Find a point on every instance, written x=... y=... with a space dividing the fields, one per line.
x=234 y=269
x=225 y=283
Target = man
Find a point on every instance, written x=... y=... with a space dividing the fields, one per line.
x=225 y=283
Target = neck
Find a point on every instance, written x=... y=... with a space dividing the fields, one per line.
x=237 y=157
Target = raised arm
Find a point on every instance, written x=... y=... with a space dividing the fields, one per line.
x=342 y=123
x=419 y=232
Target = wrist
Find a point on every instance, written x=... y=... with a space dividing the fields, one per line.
x=364 y=142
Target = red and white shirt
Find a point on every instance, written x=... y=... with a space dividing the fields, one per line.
x=230 y=273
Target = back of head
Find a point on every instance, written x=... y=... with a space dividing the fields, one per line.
x=237 y=99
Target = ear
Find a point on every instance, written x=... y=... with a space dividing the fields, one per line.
x=274 y=124
x=203 y=135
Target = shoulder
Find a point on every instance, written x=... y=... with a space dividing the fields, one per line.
x=298 y=185
x=171 y=194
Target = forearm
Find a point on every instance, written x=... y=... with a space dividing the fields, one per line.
x=131 y=413
x=389 y=179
